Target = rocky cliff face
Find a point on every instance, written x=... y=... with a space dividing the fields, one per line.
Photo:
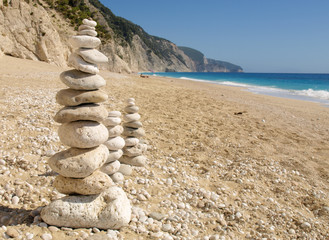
x=39 y=30
x=28 y=31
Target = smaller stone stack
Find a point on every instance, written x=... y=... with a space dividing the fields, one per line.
x=115 y=143
x=133 y=131
x=94 y=200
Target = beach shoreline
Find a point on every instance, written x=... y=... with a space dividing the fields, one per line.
x=222 y=161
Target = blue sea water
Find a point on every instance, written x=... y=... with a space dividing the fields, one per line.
x=309 y=87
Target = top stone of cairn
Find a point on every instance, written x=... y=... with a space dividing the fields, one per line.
x=90 y=23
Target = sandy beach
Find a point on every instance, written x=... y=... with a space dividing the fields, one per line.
x=224 y=163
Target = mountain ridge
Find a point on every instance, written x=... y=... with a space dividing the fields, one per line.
x=40 y=29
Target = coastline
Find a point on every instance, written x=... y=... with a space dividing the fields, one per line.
x=222 y=161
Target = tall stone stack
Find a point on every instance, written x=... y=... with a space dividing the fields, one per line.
x=133 y=131
x=94 y=200
x=114 y=143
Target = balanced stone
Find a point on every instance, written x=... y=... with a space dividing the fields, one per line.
x=115 y=143
x=137 y=150
x=133 y=132
x=92 y=55
x=139 y=161
x=131 y=117
x=83 y=134
x=91 y=112
x=109 y=210
x=117 y=177
x=115 y=131
x=88 y=32
x=80 y=64
x=112 y=121
x=78 y=162
x=131 y=141
x=90 y=23
x=135 y=124
x=71 y=97
x=93 y=184
x=82 y=81
x=114 y=114
x=114 y=155
x=83 y=41
x=85 y=27
x=131 y=109
x=125 y=169
x=110 y=168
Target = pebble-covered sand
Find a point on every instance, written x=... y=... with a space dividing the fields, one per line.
x=222 y=163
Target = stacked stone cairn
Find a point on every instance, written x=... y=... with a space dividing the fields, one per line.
x=133 y=131
x=94 y=200
x=114 y=143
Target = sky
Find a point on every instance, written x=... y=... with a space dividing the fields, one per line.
x=258 y=35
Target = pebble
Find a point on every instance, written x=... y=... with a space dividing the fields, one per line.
x=114 y=155
x=80 y=64
x=88 y=22
x=157 y=216
x=53 y=229
x=131 y=141
x=115 y=131
x=166 y=227
x=15 y=200
x=117 y=177
x=84 y=41
x=125 y=169
x=115 y=143
x=88 y=32
x=131 y=117
x=82 y=81
x=85 y=27
x=306 y=225
x=91 y=55
x=12 y=232
x=111 y=168
x=46 y=236
x=112 y=121
x=135 y=124
x=71 y=97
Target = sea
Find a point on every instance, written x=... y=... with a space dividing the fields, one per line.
x=301 y=86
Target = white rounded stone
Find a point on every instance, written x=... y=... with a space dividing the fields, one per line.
x=112 y=121
x=131 y=117
x=115 y=131
x=130 y=100
x=85 y=27
x=134 y=151
x=88 y=22
x=125 y=169
x=84 y=41
x=115 y=143
x=109 y=210
x=77 y=162
x=131 y=141
x=80 y=64
x=133 y=132
x=91 y=112
x=114 y=114
x=93 y=184
x=88 y=32
x=114 y=155
x=110 y=168
x=131 y=109
x=83 y=134
x=117 y=177
x=92 y=55
x=139 y=161
x=82 y=81
x=134 y=124
x=71 y=97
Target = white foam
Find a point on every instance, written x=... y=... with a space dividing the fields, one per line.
x=321 y=94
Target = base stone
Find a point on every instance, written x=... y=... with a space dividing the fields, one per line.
x=109 y=210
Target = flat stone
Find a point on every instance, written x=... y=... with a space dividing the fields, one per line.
x=112 y=121
x=71 y=97
x=84 y=42
x=131 y=109
x=85 y=27
x=109 y=210
x=91 y=112
x=131 y=117
x=80 y=64
x=88 y=22
x=139 y=161
x=115 y=131
x=117 y=177
x=115 y=143
x=114 y=155
x=83 y=134
x=77 y=162
x=135 y=124
x=157 y=216
x=82 y=81
x=125 y=169
x=114 y=114
x=110 y=168
x=92 y=55
x=130 y=100
x=88 y=32
x=93 y=184
x=131 y=141
x=133 y=132
x=137 y=150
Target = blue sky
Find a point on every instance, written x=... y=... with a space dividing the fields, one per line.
x=259 y=35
